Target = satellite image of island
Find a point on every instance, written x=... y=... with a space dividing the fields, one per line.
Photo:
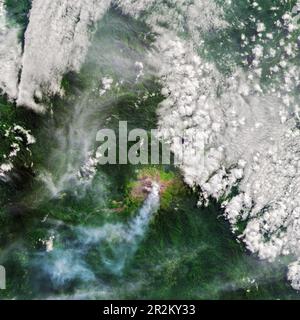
x=149 y=149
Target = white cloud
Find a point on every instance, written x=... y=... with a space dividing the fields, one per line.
x=10 y=56
x=56 y=42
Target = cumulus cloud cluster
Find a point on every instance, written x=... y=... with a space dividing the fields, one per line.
x=20 y=138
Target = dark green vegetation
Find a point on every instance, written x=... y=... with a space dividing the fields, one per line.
x=10 y=116
x=18 y=13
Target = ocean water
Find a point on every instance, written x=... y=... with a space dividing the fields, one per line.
x=61 y=235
